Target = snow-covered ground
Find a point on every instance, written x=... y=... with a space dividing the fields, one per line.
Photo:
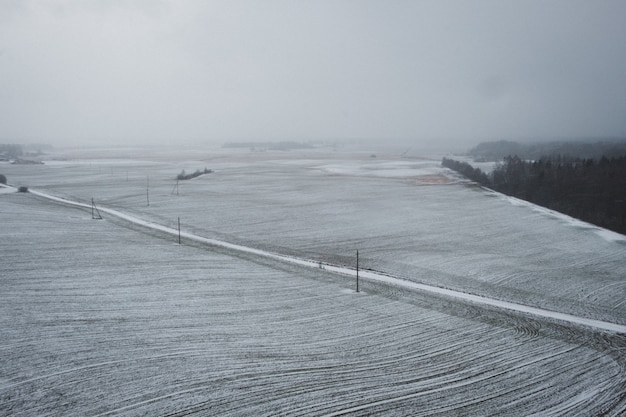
x=352 y=271
x=417 y=226
x=109 y=318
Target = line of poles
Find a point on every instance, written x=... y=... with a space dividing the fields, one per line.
x=95 y=214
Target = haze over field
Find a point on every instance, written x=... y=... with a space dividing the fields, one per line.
x=471 y=302
x=171 y=72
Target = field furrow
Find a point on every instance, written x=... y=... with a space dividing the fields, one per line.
x=100 y=317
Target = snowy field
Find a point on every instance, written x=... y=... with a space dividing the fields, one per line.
x=111 y=318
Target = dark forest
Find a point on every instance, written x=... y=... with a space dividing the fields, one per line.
x=592 y=190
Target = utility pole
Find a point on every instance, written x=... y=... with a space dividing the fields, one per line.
x=148 y=191
x=357 y=271
x=95 y=213
x=179 y=230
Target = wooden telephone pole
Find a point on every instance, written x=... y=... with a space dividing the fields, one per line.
x=95 y=213
x=357 y=271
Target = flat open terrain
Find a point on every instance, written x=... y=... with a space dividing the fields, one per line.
x=109 y=318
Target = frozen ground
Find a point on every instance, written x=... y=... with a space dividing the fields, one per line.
x=407 y=217
x=354 y=271
x=99 y=318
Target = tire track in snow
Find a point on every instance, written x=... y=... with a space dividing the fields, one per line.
x=445 y=385
x=366 y=274
x=12 y=384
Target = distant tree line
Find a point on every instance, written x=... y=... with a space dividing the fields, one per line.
x=10 y=151
x=465 y=169
x=497 y=150
x=273 y=146
x=588 y=189
x=196 y=173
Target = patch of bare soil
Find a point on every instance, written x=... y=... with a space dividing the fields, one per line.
x=433 y=180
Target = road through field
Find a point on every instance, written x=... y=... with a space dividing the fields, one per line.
x=367 y=274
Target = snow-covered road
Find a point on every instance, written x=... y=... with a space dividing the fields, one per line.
x=365 y=274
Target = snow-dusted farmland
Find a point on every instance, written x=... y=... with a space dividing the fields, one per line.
x=107 y=318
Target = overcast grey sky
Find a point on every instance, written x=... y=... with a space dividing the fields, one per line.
x=149 y=71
